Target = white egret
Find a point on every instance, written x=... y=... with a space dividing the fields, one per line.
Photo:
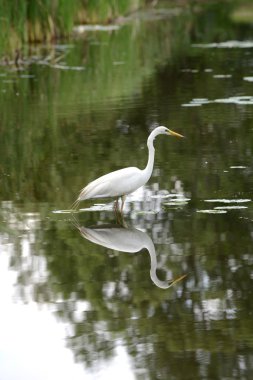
x=121 y=182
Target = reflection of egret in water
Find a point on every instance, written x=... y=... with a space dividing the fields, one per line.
x=127 y=240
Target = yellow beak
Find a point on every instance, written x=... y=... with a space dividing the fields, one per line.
x=173 y=282
x=172 y=133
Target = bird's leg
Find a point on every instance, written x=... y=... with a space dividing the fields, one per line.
x=116 y=205
x=123 y=198
x=116 y=211
x=119 y=212
x=75 y=205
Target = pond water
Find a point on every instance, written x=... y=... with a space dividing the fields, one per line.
x=82 y=296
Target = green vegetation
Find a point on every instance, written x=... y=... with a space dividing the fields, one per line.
x=243 y=14
x=35 y=21
x=31 y=21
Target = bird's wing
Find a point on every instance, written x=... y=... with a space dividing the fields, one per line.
x=112 y=184
x=120 y=239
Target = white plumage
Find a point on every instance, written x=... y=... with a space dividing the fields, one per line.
x=114 y=184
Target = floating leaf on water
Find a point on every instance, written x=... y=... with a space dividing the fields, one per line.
x=62 y=211
x=226 y=45
x=244 y=100
x=229 y=207
x=225 y=100
x=196 y=102
x=227 y=200
x=159 y=196
x=191 y=104
x=249 y=79
x=64 y=67
x=216 y=211
x=241 y=100
x=95 y=28
x=222 y=76
x=200 y=100
x=180 y=203
x=179 y=200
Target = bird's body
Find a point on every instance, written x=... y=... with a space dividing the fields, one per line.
x=124 y=181
x=120 y=182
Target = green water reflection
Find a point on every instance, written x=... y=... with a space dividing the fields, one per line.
x=85 y=108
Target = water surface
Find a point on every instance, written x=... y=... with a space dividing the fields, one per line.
x=84 y=297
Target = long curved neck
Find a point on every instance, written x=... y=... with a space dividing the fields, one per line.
x=149 y=245
x=151 y=156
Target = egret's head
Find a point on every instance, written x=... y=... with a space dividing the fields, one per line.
x=164 y=131
x=167 y=131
